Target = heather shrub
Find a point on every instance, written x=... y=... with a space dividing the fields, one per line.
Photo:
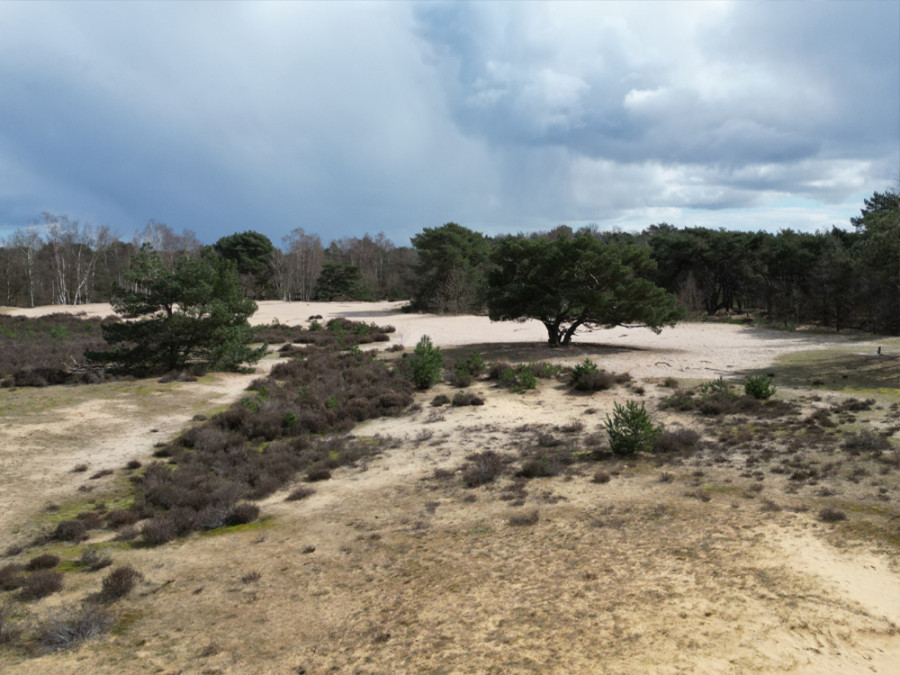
x=831 y=515
x=464 y=398
x=241 y=514
x=865 y=441
x=541 y=467
x=299 y=493
x=523 y=519
x=676 y=440
x=11 y=577
x=119 y=517
x=630 y=429
x=119 y=582
x=159 y=530
x=46 y=561
x=482 y=468
x=69 y=530
x=41 y=583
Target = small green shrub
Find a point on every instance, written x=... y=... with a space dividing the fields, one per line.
x=474 y=364
x=425 y=364
x=759 y=387
x=527 y=380
x=714 y=388
x=630 y=429
x=586 y=367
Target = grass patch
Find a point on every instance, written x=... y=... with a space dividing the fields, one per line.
x=837 y=369
x=261 y=524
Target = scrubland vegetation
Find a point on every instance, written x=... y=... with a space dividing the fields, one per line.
x=770 y=449
x=520 y=495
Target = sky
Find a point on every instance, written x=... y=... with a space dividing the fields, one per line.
x=344 y=118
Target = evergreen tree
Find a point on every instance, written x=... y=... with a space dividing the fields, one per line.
x=192 y=314
x=576 y=281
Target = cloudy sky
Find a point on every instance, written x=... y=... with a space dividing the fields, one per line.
x=346 y=118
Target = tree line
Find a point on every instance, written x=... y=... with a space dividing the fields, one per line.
x=838 y=278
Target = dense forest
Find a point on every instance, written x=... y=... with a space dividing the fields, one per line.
x=838 y=278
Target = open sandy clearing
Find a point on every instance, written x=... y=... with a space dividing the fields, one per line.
x=415 y=573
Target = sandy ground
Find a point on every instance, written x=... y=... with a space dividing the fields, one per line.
x=691 y=350
x=414 y=574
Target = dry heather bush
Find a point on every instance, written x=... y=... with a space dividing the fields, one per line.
x=831 y=515
x=119 y=582
x=10 y=631
x=865 y=441
x=439 y=400
x=47 y=561
x=601 y=477
x=11 y=577
x=299 y=493
x=41 y=583
x=127 y=533
x=90 y=519
x=542 y=467
x=482 y=468
x=676 y=440
x=70 y=626
x=69 y=530
x=466 y=398
x=522 y=519
x=241 y=514
x=159 y=530
x=13 y=550
x=119 y=517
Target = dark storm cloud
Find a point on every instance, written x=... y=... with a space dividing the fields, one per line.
x=350 y=117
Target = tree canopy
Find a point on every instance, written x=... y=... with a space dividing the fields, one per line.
x=450 y=274
x=341 y=282
x=575 y=281
x=193 y=313
x=252 y=253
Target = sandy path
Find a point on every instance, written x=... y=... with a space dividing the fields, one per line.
x=38 y=451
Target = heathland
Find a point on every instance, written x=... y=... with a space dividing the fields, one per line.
x=483 y=525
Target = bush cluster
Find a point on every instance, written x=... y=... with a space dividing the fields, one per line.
x=717 y=397
x=258 y=445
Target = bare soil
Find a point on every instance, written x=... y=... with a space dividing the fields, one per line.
x=711 y=561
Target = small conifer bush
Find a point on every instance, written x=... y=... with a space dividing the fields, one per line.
x=759 y=387
x=630 y=429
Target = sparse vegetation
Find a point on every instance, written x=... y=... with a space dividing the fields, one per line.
x=70 y=626
x=482 y=468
